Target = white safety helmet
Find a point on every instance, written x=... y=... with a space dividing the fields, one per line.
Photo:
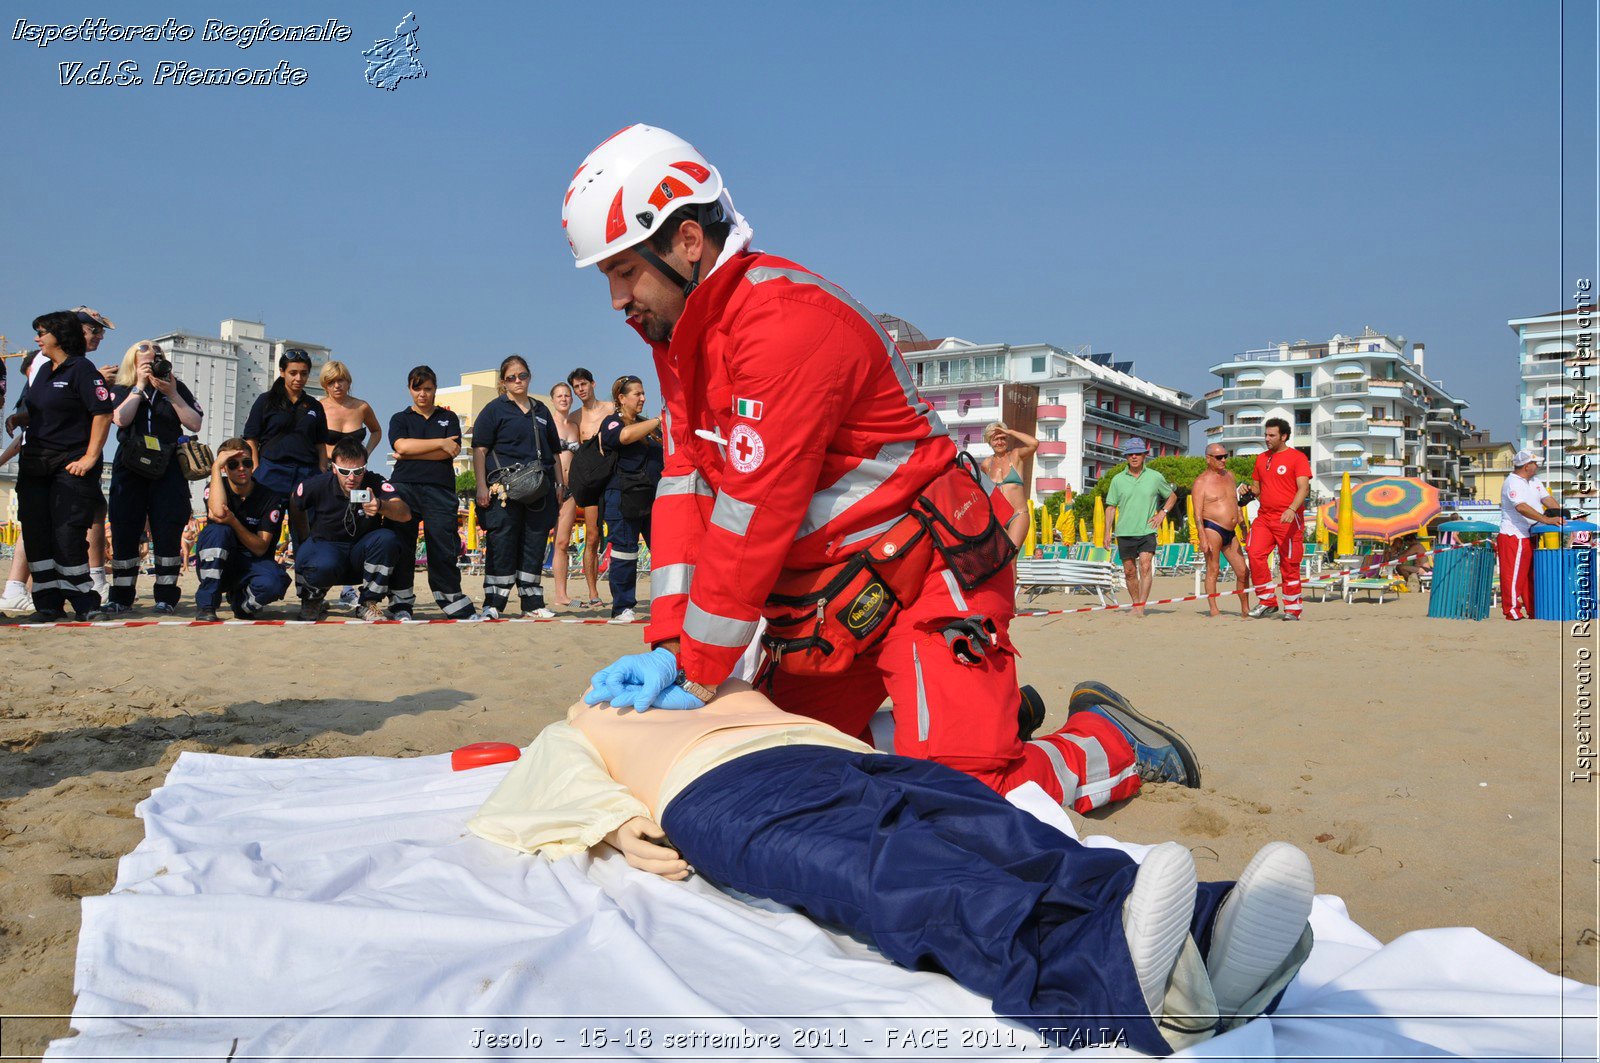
x=629 y=185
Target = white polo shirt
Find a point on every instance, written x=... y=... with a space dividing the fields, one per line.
x=1517 y=490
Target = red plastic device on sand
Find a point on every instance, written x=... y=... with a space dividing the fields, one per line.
x=479 y=754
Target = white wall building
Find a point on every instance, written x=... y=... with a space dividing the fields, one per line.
x=1356 y=404
x=1556 y=377
x=1087 y=404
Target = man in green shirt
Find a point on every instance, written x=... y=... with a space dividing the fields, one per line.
x=1136 y=503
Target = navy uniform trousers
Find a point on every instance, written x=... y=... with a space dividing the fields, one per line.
x=163 y=504
x=623 y=535
x=56 y=510
x=250 y=582
x=434 y=508
x=517 y=535
x=368 y=562
x=938 y=871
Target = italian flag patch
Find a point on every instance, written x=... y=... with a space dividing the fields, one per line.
x=750 y=408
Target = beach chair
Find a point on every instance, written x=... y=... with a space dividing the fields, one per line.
x=1035 y=575
x=1097 y=553
x=1169 y=559
x=1379 y=583
x=1312 y=579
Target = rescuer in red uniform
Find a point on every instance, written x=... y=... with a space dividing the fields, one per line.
x=809 y=485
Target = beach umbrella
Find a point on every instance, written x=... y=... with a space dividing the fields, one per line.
x=1346 y=520
x=1099 y=519
x=1324 y=537
x=472 y=527
x=1383 y=509
x=1030 y=540
x=1066 y=526
x=1083 y=532
x=1194 y=525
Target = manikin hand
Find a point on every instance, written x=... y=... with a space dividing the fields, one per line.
x=642 y=843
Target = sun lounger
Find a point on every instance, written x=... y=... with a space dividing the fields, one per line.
x=1037 y=575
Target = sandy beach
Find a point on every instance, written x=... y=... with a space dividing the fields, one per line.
x=1422 y=763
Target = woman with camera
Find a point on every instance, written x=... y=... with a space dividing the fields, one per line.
x=636 y=440
x=153 y=410
x=68 y=416
x=514 y=448
x=426 y=440
x=286 y=430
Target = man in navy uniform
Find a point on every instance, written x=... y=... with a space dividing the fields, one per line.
x=236 y=548
x=339 y=517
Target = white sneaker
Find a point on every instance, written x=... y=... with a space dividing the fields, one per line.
x=540 y=613
x=1156 y=918
x=1259 y=924
x=624 y=617
x=17 y=603
x=489 y=613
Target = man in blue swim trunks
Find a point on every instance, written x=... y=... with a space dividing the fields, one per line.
x=1216 y=507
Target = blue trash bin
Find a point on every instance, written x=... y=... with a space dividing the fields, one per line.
x=1564 y=577
x=1463 y=583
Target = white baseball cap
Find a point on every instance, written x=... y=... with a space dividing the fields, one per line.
x=1522 y=457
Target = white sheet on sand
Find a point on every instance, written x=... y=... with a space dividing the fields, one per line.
x=271 y=899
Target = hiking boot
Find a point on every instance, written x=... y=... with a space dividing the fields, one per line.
x=1259 y=924
x=311 y=612
x=1156 y=918
x=1262 y=611
x=1030 y=714
x=207 y=616
x=115 y=609
x=1161 y=753
x=165 y=609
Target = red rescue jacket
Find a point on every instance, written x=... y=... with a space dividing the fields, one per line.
x=821 y=443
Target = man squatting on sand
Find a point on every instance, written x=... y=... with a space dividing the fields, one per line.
x=784 y=807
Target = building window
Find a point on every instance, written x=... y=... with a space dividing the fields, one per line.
x=1052 y=433
x=1377 y=413
x=1038 y=364
x=1302 y=418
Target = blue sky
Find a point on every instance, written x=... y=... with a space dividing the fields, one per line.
x=1170 y=182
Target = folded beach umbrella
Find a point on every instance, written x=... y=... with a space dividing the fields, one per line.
x=1387 y=508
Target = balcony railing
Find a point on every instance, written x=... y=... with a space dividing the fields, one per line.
x=1052 y=447
x=1343 y=387
x=1252 y=394
x=1343 y=426
x=1302 y=393
x=1235 y=431
x=1052 y=412
x=1354 y=466
x=1122 y=420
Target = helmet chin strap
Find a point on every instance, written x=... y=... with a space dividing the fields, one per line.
x=704 y=214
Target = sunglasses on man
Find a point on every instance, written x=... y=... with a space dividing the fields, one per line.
x=357 y=471
x=239 y=463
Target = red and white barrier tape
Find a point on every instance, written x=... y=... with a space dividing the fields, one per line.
x=337 y=621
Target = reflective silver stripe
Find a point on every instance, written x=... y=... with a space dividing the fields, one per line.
x=1069 y=782
x=716 y=630
x=128 y=581
x=762 y=274
x=527 y=577
x=666 y=432
x=869 y=533
x=689 y=484
x=124 y=566
x=732 y=515
x=72 y=570
x=453 y=604
x=53 y=585
x=169 y=560
x=381 y=570
x=499 y=581
x=1095 y=764
x=213 y=554
x=403 y=597
x=923 y=723
x=210 y=573
x=624 y=555
x=165 y=581
x=670 y=579
x=41 y=566
x=832 y=501
x=1099 y=793
x=955 y=590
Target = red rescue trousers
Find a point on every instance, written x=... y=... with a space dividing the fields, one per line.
x=965 y=715
x=1267 y=533
x=1516 y=575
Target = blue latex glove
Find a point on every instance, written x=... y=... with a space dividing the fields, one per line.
x=643 y=681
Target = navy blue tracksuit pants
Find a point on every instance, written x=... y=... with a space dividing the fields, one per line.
x=250 y=582
x=623 y=536
x=163 y=505
x=368 y=562
x=935 y=869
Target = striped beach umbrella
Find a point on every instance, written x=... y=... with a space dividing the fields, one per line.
x=1386 y=508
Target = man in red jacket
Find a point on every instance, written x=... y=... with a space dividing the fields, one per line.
x=796 y=443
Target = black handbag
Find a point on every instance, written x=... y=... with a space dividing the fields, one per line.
x=526 y=482
x=135 y=454
x=590 y=472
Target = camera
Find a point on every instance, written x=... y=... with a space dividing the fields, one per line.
x=360 y=496
x=161 y=367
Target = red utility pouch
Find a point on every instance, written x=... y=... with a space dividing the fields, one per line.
x=960 y=518
x=819 y=621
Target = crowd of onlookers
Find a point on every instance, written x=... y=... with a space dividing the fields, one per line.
x=303 y=465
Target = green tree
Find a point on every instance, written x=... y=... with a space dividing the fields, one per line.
x=1179 y=471
x=466 y=484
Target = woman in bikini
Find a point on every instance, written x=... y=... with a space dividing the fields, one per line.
x=1004 y=467
x=561 y=399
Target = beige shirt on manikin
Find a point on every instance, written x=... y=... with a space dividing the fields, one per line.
x=583 y=778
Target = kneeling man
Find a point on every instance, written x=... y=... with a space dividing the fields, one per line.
x=784 y=807
x=339 y=518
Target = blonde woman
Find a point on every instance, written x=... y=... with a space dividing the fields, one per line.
x=1004 y=467
x=347 y=417
x=561 y=398
x=147 y=486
